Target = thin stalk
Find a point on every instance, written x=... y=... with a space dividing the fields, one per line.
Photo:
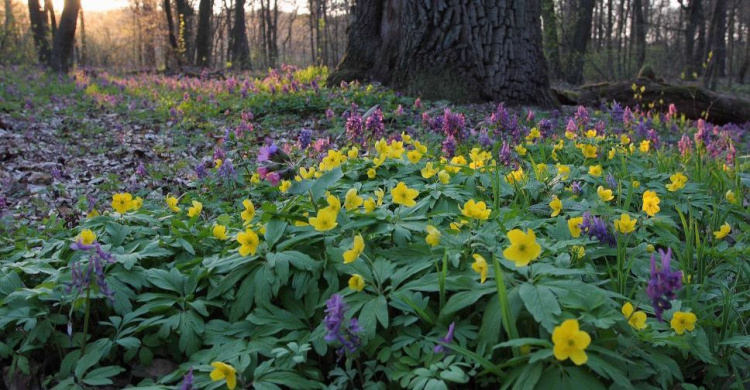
x=502 y=295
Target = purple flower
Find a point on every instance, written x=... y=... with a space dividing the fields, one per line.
x=266 y=152
x=374 y=125
x=596 y=228
x=56 y=173
x=187 y=381
x=664 y=283
x=226 y=170
x=354 y=128
x=219 y=153
x=484 y=139
x=330 y=114
x=337 y=330
x=440 y=348
x=582 y=116
x=200 y=170
x=685 y=145
x=304 y=139
x=575 y=187
x=611 y=182
x=453 y=124
x=616 y=112
x=449 y=146
x=141 y=170
x=506 y=157
x=98 y=259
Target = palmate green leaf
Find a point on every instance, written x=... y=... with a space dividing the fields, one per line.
x=274 y=231
x=463 y=300
x=569 y=378
x=102 y=376
x=541 y=303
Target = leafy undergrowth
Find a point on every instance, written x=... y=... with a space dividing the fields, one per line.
x=403 y=247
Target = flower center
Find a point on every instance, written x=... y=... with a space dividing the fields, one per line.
x=571 y=343
x=522 y=247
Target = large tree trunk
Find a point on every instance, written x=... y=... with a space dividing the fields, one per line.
x=693 y=11
x=39 y=30
x=462 y=50
x=581 y=38
x=83 y=39
x=62 y=47
x=203 y=38
x=240 y=45
x=167 y=6
x=639 y=28
x=717 y=44
x=185 y=38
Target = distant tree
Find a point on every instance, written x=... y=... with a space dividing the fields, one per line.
x=462 y=50
x=39 y=31
x=203 y=37
x=167 y=6
x=185 y=14
x=240 y=47
x=50 y=10
x=551 y=40
x=580 y=40
x=718 y=44
x=62 y=46
x=639 y=33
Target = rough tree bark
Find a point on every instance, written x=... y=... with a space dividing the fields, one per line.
x=39 y=30
x=185 y=15
x=551 y=40
x=639 y=28
x=717 y=44
x=462 y=50
x=580 y=41
x=167 y=6
x=62 y=47
x=240 y=45
x=203 y=37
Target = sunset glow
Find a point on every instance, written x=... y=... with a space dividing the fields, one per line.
x=94 y=5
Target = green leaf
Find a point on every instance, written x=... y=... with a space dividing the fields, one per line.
x=129 y=342
x=463 y=300
x=541 y=303
x=101 y=376
x=274 y=231
x=381 y=310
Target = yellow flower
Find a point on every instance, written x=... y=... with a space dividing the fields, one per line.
x=651 y=203
x=307 y=173
x=636 y=184
x=380 y=194
x=352 y=200
x=444 y=177
x=636 y=319
x=93 y=213
x=523 y=247
x=475 y=210
x=249 y=212
x=353 y=152
x=414 y=156
x=731 y=198
x=369 y=205
x=589 y=151
x=333 y=202
x=645 y=146
x=570 y=134
x=682 y=321
x=591 y=133
x=678 y=182
x=371 y=173
x=555 y=205
x=574 y=226
x=540 y=169
x=564 y=171
x=224 y=371
x=456 y=226
x=631 y=148
x=217 y=163
x=325 y=219
x=624 y=139
x=723 y=231
x=357 y=282
x=248 y=242
x=255 y=178
x=172 y=203
x=404 y=195
x=137 y=203
x=595 y=170
x=196 y=209
x=578 y=250
x=122 y=202
x=220 y=232
x=420 y=147
x=533 y=134
x=480 y=266
x=516 y=176
x=611 y=154
x=285 y=185
x=357 y=248
x=521 y=150
x=87 y=237
x=433 y=236
x=604 y=194
x=570 y=342
x=428 y=171
x=625 y=225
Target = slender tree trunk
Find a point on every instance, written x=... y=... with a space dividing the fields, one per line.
x=84 y=60
x=466 y=50
x=551 y=41
x=203 y=38
x=719 y=43
x=39 y=31
x=610 y=48
x=639 y=32
x=240 y=45
x=8 y=17
x=49 y=8
x=580 y=41
x=312 y=22
x=62 y=46
x=167 y=6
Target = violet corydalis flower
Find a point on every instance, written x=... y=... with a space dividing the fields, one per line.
x=98 y=259
x=664 y=283
x=187 y=381
x=447 y=339
x=266 y=152
x=595 y=227
x=336 y=328
x=141 y=170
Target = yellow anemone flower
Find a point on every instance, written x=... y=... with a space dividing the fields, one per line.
x=224 y=371
x=480 y=266
x=122 y=202
x=404 y=195
x=248 y=242
x=570 y=342
x=723 y=231
x=196 y=209
x=625 y=225
x=636 y=319
x=433 y=236
x=523 y=247
x=358 y=246
x=682 y=321
x=556 y=206
x=357 y=282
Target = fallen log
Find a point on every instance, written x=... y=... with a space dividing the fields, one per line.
x=691 y=100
